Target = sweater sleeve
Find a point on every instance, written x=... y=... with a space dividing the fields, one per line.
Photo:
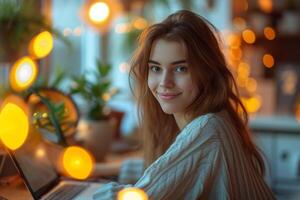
x=130 y=171
x=192 y=159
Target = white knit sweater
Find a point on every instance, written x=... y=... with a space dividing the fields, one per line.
x=206 y=161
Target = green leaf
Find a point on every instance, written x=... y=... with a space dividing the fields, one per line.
x=103 y=69
x=58 y=78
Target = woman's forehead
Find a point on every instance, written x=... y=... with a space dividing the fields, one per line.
x=167 y=50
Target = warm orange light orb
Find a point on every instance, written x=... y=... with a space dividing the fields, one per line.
x=41 y=45
x=252 y=104
x=268 y=60
x=269 y=33
x=239 y=22
x=77 y=162
x=140 y=23
x=266 y=5
x=235 y=53
x=22 y=74
x=132 y=194
x=106 y=96
x=249 y=36
x=234 y=41
x=99 y=12
x=243 y=70
x=251 y=85
x=13 y=135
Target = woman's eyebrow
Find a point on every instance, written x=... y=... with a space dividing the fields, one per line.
x=178 y=62
x=172 y=63
x=153 y=62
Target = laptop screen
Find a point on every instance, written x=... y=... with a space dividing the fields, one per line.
x=33 y=161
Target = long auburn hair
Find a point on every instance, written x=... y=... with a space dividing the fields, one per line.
x=218 y=90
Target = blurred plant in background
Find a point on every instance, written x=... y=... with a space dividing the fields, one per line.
x=96 y=92
x=19 y=22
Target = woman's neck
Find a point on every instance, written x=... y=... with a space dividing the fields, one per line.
x=181 y=120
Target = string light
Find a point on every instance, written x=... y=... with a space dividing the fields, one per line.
x=41 y=45
x=14 y=109
x=132 y=194
x=99 y=12
x=266 y=5
x=249 y=36
x=269 y=33
x=23 y=73
x=77 y=162
x=268 y=60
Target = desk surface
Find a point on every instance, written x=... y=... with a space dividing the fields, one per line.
x=16 y=190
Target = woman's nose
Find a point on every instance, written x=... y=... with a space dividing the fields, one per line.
x=167 y=80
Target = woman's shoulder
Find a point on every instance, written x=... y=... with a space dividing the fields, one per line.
x=198 y=127
x=207 y=125
x=206 y=120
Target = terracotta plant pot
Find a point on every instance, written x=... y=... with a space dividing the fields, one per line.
x=97 y=136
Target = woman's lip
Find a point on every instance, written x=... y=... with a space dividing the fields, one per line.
x=167 y=96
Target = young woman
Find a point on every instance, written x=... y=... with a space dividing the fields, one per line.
x=197 y=144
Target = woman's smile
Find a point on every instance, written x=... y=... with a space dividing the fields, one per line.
x=168 y=96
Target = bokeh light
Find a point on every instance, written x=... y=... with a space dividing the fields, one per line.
x=41 y=45
x=249 y=36
x=239 y=22
x=132 y=194
x=106 y=96
x=234 y=41
x=124 y=67
x=252 y=104
x=251 y=85
x=13 y=110
x=265 y=5
x=22 y=74
x=77 y=162
x=40 y=152
x=140 y=23
x=235 y=54
x=241 y=81
x=67 y=32
x=99 y=12
x=269 y=33
x=243 y=70
x=268 y=60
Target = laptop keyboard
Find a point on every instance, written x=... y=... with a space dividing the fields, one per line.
x=66 y=192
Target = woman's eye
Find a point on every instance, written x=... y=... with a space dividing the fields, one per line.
x=181 y=69
x=155 y=68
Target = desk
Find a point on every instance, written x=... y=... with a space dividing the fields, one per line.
x=16 y=190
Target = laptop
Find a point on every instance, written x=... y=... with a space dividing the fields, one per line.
x=41 y=178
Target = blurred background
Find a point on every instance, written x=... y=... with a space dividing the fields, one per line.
x=90 y=45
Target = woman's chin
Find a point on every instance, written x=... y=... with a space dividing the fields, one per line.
x=168 y=111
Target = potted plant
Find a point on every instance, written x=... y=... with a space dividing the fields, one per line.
x=96 y=129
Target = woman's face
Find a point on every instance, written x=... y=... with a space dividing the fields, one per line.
x=169 y=77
